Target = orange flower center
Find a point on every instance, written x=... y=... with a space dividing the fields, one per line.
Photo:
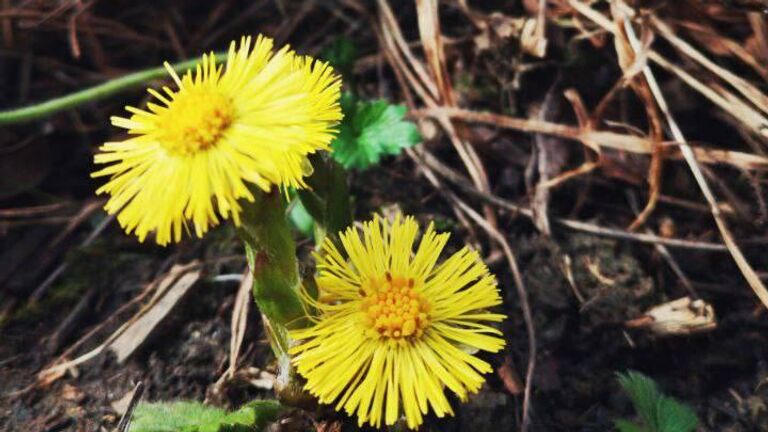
x=394 y=309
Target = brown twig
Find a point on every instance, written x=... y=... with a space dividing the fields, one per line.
x=464 y=184
x=664 y=252
x=746 y=269
x=436 y=89
x=730 y=103
x=595 y=139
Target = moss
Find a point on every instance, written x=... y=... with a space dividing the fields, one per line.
x=613 y=284
x=86 y=267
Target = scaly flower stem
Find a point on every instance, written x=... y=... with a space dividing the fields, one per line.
x=271 y=254
x=101 y=91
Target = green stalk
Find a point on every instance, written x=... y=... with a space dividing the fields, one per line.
x=101 y=91
x=271 y=254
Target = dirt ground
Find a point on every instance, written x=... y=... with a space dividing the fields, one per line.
x=69 y=276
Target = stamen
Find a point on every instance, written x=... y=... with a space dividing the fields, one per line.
x=196 y=121
x=394 y=309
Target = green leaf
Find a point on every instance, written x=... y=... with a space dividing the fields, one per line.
x=627 y=426
x=370 y=130
x=644 y=394
x=190 y=416
x=327 y=198
x=672 y=416
x=658 y=412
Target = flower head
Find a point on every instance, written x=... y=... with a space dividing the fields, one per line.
x=193 y=152
x=394 y=327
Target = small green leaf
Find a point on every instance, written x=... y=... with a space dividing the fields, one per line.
x=627 y=426
x=370 y=130
x=672 y=416
x=644 y=394
x=659 y=413
x=190 y=416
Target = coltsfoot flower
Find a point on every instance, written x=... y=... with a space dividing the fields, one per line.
x=394 y=328
x=194 y=151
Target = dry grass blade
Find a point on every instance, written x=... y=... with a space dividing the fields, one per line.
x=406 y=77
x=434 y=92
x=125 y=421
x=239 y=320
x=746 y=269
x=741 y=160
x=238 y=326
x=461 y=182
x=760 y=28
x=392 y=30
x=431 y=39
x=533 y=38
x=730 y=103
x=165 y=283
x=131 y=339
x=592 y=139
x=633 y=62
x=744 y=87
x=596 y=140
x=719 y=44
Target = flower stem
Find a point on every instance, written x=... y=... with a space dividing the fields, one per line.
x=271 y=253
x=97 y=92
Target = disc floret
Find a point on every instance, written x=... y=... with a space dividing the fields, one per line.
x=395 y=309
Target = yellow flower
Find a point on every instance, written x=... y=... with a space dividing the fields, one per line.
x=393 y=328
x=193 y=153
